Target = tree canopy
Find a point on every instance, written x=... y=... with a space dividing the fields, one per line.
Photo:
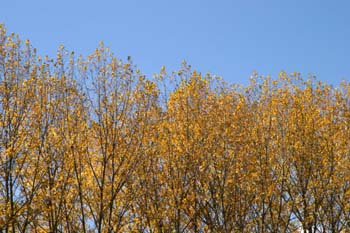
x=89 y=144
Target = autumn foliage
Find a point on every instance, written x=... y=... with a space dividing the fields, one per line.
x=92 y=145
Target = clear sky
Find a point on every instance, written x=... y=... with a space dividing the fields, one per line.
x=230 y=38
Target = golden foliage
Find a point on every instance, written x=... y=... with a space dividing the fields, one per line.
x=92 y=145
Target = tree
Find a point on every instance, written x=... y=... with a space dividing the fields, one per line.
x=92 y=145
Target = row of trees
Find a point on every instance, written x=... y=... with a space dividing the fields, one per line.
x=91 y=145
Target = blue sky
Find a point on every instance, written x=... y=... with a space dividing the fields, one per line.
x=230 y=38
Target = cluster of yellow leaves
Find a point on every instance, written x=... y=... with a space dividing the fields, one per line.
x=92 y=145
